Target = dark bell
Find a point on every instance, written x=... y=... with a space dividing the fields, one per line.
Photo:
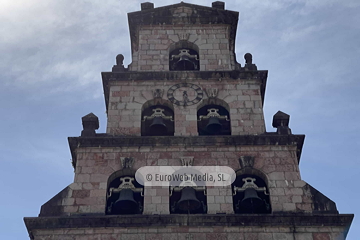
x=214 y=125
x=158 y=127
x=185 y=63
x=188 y=201
x=251 y=200
x=126 y=203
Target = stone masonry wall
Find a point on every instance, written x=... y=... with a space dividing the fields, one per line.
x=155 y=42
x=243 y=98
x=278 y=163
x=198 y=233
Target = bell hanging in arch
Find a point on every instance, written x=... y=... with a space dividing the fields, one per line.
x=188 y=201
x=185 y=63
x=214 y=125
x=251 y=201
x=158 y=127
x=126 y=203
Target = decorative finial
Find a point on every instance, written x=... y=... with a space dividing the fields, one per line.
x=90 y=123
x=248 y=58
x=249 y=66
x=281 y=122
x=219 y=5
x=119 y=59
x=119 y=67
x=147 y=6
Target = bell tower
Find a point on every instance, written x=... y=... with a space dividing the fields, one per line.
x=185 y=107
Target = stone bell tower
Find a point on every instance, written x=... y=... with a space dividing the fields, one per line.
x=185 y=101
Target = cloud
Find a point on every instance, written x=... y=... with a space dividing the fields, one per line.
x=53 y=47
x=299 y=34
x=316 y=4
x=63 y=43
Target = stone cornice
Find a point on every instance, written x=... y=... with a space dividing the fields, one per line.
x=110 y=77
x=103 y=140
x=192 y=220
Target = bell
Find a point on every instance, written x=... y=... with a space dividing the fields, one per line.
x=158 y=127
x=126 y=202
x=251 y=201
x=184 y=63
x=214 y=125
x=188 y=201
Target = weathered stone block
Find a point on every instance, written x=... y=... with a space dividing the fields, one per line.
x=321 y=236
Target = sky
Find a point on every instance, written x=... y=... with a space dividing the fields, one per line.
x=52 y=54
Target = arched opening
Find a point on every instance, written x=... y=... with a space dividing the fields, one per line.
x=251 y=195
x=184 y=56
x=187 y=195
x=213 y=120
x=124 y=194
x=157 y=120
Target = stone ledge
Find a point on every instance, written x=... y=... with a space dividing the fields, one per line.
x=109 y=77
x=205 y=220
x=104 y=140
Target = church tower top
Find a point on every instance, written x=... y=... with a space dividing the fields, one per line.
x=184 y=16
x=184 y=101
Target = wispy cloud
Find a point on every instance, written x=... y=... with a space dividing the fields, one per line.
x=299 y=34
x=67 y=43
